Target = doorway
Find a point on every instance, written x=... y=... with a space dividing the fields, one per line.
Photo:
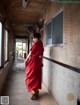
x=21 y=48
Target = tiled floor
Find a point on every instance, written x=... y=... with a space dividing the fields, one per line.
x=16 y=90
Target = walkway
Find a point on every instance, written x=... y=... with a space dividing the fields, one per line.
x=16 y=90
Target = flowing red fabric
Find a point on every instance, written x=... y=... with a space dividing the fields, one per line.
x=34 y=67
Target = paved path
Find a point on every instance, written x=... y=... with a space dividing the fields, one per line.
x=16 y=90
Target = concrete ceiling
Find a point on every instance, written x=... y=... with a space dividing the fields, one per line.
x=20 y=17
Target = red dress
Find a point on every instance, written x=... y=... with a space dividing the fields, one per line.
x=34 y=67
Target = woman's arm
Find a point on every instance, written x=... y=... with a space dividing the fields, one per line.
x=29 y=55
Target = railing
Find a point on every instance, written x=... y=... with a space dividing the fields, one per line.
x=64 y=65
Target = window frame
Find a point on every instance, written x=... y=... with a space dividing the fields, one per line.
x=1 y=43
x=55 y=45
x=5 y=30
x=50 y=21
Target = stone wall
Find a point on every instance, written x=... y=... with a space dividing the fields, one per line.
x=63 y=83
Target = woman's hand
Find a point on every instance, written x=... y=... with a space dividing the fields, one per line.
x=29 y=55
x=25 y=60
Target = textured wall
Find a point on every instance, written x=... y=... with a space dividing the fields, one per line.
x=4 y=71
x=63 y=83
x=69 y=52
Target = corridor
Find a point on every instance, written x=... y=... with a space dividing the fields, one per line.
x=16 y=90
x=57 y=25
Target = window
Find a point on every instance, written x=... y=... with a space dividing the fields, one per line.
x=24 y=46
x=48 y=33
x=0 y=42
x=6 y=45
x=54 y=30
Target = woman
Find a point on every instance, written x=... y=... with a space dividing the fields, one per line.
x=34 y=67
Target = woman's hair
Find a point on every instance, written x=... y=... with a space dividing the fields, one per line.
x=37 y=35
